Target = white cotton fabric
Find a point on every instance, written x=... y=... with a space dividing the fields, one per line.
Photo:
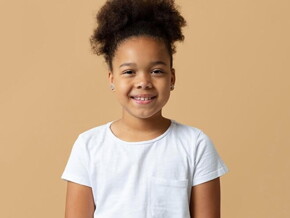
x=147 y=179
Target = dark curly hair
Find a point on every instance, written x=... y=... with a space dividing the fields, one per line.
x=120 y=19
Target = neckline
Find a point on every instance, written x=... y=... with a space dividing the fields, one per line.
x=150 y=141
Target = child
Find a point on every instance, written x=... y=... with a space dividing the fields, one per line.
x=143 y=165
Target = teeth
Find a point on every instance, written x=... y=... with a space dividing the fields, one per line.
x=142 y=99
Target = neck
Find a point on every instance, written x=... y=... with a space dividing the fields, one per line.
x=131 y=128
x=147 y=124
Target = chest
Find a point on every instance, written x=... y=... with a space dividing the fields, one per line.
x=139 y=163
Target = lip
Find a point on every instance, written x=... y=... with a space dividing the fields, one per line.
x=143 y=95
x=143 y=98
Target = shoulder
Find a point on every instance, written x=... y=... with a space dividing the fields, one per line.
x=184 y=130
x=192 y=136
x=92 y=132
x=93 y=135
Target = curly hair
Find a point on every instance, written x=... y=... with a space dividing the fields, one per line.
x=121 y=19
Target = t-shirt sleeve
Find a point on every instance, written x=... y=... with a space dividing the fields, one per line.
x=207 y=163
x=77 y=167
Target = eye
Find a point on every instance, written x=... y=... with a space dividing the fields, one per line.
x=128 y=72
x=157 y=72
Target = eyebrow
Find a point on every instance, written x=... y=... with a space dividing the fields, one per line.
x=127 y=64
x=152 y=64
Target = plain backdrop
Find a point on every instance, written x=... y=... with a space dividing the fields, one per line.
x=232 y=82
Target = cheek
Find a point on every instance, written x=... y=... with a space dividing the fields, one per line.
x=165 y=86
x=122 y=88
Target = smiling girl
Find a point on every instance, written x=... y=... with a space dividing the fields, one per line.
x=142 y=165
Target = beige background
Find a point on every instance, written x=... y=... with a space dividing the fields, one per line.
x=232 y=81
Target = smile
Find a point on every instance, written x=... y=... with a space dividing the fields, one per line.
x=143 y=98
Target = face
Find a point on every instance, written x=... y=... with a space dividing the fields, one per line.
x=142 y=76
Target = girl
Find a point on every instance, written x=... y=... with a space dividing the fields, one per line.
x=143 y=165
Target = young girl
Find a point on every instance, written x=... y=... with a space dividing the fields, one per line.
x=143 y=165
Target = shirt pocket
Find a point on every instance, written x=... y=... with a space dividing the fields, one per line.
x=169 y=198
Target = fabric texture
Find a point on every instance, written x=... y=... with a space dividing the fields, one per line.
x=147 y=179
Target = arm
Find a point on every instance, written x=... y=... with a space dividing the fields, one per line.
x=205 y=200
x=79 y=201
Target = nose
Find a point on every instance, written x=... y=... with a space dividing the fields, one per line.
x=144 y=81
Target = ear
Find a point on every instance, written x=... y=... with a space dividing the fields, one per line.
x=111 y=80
x=110 y=77
x=173 y=78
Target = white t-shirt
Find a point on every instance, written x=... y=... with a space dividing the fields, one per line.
x=146 y=179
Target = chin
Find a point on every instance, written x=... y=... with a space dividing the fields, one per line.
x=148 y=115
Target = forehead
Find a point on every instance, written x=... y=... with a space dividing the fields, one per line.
x=141 y=49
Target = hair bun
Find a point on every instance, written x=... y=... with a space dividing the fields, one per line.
x=119 y=19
